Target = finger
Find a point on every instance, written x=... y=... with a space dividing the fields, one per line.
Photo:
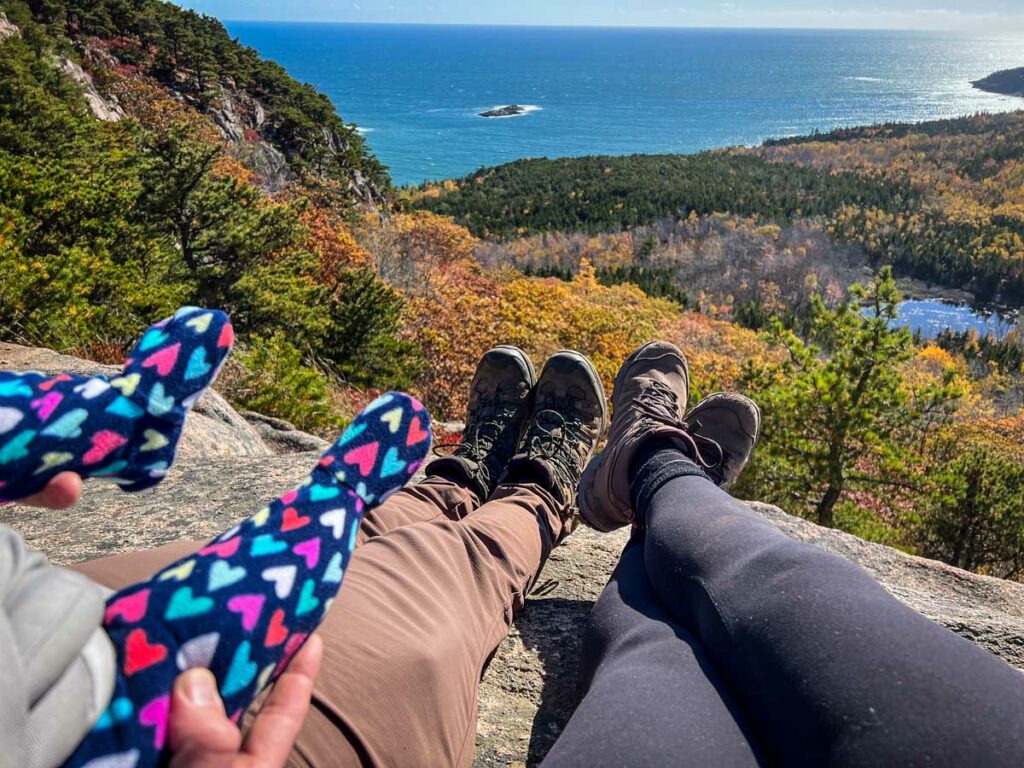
x=61 y=492
x=273 y=734
x=199 y=732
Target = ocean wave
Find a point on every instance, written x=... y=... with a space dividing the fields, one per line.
x=363 y=131
x=863 y=79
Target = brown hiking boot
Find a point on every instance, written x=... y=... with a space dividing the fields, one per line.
x=569 y=416
x=725 y=428
x=649 y=400
x=500 y=400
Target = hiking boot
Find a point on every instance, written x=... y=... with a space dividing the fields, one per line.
x=569 y=416
x=648 y=401
x=725 y=428
x=500 y=398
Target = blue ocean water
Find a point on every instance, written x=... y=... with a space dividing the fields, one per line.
x=416 y=90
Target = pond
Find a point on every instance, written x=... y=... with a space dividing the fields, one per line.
x=932 y=316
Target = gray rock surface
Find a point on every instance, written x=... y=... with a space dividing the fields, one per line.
x=7 y=29
x=104 y=109
x=508 y=111
x=529 y=689
x=282 y=436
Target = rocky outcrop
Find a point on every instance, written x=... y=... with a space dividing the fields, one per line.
x=7 y=29
x=105 y=109
x=1008 y=82
x=282 y=436
x=529 y=688
x=247 y=124
x=510 y=111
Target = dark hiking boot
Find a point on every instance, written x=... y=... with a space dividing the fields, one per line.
x=500 y=399
x=569 y=416
x=648 y=401
x=725 y=428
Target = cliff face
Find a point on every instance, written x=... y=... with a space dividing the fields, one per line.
x=279 y=128
x=226 y=471
x=6 y=28
x=247 y=124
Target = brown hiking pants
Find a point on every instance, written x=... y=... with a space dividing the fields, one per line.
x=427 y=598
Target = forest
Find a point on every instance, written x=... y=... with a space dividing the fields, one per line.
x=940 y=201
x=757 y=262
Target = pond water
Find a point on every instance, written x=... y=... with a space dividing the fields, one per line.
x=932 y=316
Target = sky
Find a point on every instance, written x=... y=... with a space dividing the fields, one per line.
x=995 y=16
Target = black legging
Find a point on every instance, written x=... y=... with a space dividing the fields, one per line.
x=721 y=641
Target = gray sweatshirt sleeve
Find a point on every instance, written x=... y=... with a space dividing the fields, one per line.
x=56 y=663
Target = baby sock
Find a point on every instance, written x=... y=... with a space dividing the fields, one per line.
x=243 y=605
x=125 y=429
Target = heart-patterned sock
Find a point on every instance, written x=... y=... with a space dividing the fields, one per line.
x=244 y=604
x=125 y=428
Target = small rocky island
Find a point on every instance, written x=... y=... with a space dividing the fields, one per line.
x=508 y=111
x=1008 y=82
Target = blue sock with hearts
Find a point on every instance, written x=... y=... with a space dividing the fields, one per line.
x=243 y=605
x=125 y=429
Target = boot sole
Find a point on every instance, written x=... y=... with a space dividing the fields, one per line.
x=728 y=396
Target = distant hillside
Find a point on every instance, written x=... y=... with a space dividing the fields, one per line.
x=939 y=201
x=600 y=194
x=1009 y=82
x=278 y=126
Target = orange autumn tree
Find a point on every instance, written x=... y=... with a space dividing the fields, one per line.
x=332 y=242
x=413 y=250
x=605 y=323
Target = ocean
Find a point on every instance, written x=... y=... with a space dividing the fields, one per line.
x=416 y=91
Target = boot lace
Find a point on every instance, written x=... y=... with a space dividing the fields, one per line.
x=661 y=403
x=555 y=437
x=484 y=426
x=708 y=453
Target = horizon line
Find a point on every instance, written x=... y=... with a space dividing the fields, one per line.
x=703 y=27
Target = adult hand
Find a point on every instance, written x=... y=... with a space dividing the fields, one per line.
x=201 y=735
x=60 y=493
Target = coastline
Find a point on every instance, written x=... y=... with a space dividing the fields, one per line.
x=1006 y=82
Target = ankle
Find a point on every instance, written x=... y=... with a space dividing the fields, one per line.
x=524 y=470
x=659 y=460
x=461 y=472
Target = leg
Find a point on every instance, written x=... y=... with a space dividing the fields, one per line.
x=648 y=681
x=431 y=499
x=434 y=498
x=831 y=669
x=426 y=605
x=828 y=667
x=421 y=610
x=250 y=598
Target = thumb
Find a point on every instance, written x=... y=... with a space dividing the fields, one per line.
x=200 y=734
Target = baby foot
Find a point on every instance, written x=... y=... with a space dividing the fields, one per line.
x=125 y=429
x=245 y=604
